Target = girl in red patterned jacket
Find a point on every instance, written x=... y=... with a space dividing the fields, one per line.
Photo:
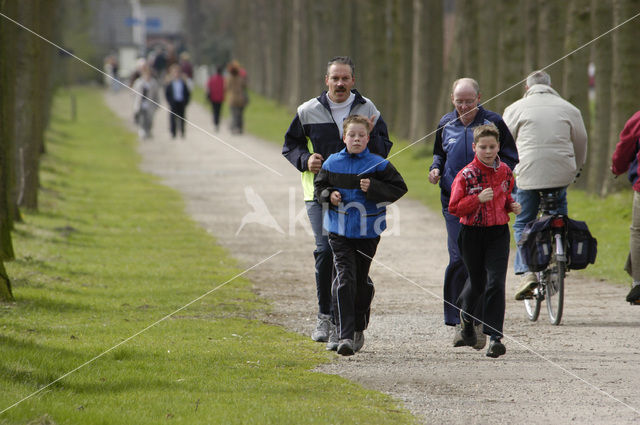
x=481 y=197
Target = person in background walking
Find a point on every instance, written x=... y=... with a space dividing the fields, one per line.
x=215 y=94
x=451 y=152
x=187 y=68
x=626 y=157
x=236 y=94
x=145 y=104
x=178 y=95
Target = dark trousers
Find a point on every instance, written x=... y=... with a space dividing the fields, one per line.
x=237 y=122
x=352 y=288
x=485 y=251
x=216 y=113
x=323 y=258
x=177 y=122
x=455 y=275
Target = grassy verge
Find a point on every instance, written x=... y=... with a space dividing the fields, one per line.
x=112 y=252
x=608 y=218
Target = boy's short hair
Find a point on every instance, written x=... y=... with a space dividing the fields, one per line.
x=355 y=119
x=486 y=130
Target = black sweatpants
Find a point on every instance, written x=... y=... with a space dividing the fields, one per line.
x=352 y=290
x=485 y=252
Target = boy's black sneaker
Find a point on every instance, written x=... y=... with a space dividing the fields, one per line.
x=496 y=348
x=634 y=295
x=467 y=331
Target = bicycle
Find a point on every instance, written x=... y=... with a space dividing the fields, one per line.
x=551 y=279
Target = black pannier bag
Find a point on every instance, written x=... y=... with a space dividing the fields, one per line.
x=535 y=245
x=583 y=247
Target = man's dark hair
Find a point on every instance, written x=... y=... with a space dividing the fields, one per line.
x=344 y=60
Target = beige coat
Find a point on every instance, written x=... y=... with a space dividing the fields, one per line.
x=550 y=136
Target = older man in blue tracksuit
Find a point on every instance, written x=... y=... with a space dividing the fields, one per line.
x=451 y=152
x=314 y=134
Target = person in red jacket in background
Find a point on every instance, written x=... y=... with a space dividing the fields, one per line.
x=625 y=158
x=481 y=197
x=215 y=94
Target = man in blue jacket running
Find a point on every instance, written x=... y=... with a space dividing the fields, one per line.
x=451 y=152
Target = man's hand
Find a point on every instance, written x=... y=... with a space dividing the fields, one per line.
x=364 y=184
x=335 y=198
x=314 y=163
x=434 y=176
x=486 y=195
x=516 y=208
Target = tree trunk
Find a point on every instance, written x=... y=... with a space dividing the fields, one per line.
x=599 y=159
x=8 y=52
x=529 y=16
x=399 y=117
x=295 y=56
x=419 y=77
x=489 y=59
x=626 y=84
x=576 y=75
x=510 y=70
x=435 y=62
x=551 y=18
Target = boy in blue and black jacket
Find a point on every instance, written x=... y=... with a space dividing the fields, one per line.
x=354 y=187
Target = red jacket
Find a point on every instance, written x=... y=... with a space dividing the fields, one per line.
x=472 y=180
x=627 y=153
x=215 y=88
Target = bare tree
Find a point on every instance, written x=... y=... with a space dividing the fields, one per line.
x=8 y=50
x=626 y=85
x=598 y=159
x=551 y=17
x=576 y=75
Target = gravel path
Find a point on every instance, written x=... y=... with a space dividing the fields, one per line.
x=580 y=372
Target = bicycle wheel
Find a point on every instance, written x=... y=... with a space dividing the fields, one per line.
x=555 y=291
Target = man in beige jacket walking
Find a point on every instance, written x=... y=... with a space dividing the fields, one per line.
x=552 y=146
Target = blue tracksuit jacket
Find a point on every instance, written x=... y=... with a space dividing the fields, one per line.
x=360 y=215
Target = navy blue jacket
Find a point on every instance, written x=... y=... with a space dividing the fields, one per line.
x=452 y=150
x=313 y=130
x=361 y=214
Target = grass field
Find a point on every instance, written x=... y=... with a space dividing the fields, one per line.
x=608 y=218
x=110 y=253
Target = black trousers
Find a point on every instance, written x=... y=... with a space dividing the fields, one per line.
x=216 y=107
x=177 y=122
x=352 y=289
x=485 y=252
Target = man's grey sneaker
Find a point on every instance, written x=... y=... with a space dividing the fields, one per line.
x=345 y=347
x=457 y=337
x=481 y=338
x=496 y=349
x=467 y=331
x=529 y=283
x=332 y=344
x=321 y=334
x=358 y=340
x=634 y=295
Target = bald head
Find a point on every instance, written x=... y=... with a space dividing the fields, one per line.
x=466 y=83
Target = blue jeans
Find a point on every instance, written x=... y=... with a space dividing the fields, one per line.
x=323 y=256
x=530 y=202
